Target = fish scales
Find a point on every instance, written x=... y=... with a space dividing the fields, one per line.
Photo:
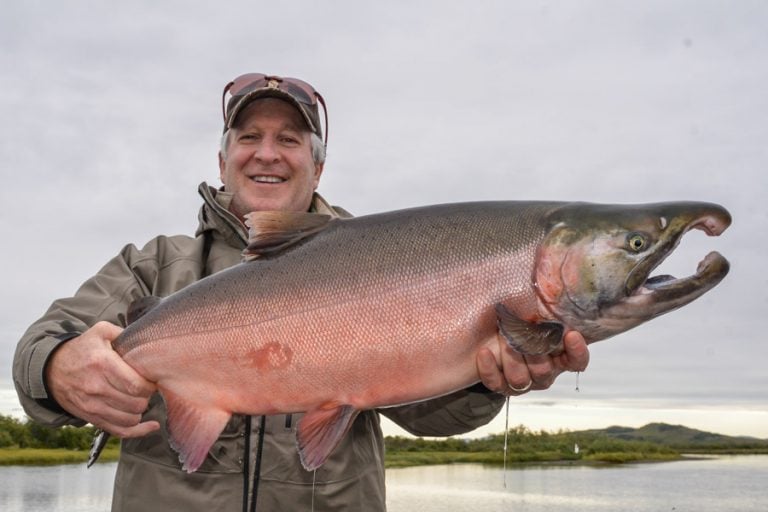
x=341 y=308
x=392 y=308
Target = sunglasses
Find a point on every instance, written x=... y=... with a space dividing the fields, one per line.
x=298 y=89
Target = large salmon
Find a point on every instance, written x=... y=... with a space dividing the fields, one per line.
x=334 y=316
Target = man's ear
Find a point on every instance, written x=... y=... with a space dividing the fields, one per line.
x=318 y=173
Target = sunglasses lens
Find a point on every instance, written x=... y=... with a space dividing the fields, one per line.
x=302 y=91
x=244 y=81
x=296 y=89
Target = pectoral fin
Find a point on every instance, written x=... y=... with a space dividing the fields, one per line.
x=321 y=430
x=529 y=338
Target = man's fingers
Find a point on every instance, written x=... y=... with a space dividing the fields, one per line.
x=92 y=382
x=137 y=430
x=517 y=375
x=126 y=403
x=120 y=423
x=542 y=371
x=111 y=382
x=509 y=372
x=488 y=370
x=107 y=331
x=575 y=358
x=120 y=375
x=123 y=378
x=142 y=429
x=496 y=379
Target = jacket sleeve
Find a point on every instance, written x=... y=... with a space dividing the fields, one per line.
x=453 y=414
x=106 y=296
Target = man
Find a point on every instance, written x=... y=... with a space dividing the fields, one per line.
x=271 y=158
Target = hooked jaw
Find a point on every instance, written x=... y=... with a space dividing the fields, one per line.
x=593 y=272
x=664 y=293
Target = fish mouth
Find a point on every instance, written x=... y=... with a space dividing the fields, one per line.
x=667 y=292
x=666 y=288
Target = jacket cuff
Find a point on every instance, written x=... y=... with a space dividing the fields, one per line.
x=41 y=355
x=480 y=388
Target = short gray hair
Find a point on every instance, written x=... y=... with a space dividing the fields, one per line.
x=318 y=148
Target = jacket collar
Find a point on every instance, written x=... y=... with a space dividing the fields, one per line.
x=215 y=216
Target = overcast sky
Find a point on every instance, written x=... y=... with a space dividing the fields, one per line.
x=111 y=117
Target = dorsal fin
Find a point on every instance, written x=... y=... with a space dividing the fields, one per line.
x=273 y=232
x=140 y=306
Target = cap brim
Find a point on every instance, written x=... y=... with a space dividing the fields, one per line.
x=269 y=92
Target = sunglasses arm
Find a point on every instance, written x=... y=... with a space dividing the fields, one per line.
x=325 y=114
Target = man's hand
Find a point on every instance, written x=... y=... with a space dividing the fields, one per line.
x=512 y=373
x=91 y=382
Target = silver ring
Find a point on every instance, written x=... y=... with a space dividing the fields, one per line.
x=521 y=390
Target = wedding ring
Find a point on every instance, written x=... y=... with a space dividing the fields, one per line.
x=521 y=390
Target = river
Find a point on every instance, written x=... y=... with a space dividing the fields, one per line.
x=717 y=484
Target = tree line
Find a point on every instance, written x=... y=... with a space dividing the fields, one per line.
x=16 y=433
x=652 y=440
x=30 y=434
x=528 y=444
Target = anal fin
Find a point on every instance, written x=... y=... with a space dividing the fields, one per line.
x=529 y=338
x=192 y=428
x=321 y=430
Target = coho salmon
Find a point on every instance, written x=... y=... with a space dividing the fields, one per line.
x=333 y=316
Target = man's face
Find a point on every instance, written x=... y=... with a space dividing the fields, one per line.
x=269 y=163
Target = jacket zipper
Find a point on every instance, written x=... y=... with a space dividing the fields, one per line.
x=230 y=219
x=246 y=462
x=257 y=463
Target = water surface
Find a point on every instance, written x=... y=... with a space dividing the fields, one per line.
x=713 y=485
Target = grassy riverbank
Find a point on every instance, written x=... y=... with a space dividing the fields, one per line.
x=407 y=459
x=51 y=456
x=31 y=444
x=394 y=459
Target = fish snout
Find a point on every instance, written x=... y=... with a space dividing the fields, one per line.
x=713 y=222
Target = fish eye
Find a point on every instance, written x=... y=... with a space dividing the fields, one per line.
x=636 y=242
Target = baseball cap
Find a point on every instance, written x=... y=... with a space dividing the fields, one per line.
x=251 y=86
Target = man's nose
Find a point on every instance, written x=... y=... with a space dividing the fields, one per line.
x=266 y=151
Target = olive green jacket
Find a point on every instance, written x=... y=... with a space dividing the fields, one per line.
x=254 y=465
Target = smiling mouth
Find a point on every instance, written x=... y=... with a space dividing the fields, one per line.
x=268 y=179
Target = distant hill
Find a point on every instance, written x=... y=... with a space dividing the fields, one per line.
x=680 y=437
x=653 y=442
